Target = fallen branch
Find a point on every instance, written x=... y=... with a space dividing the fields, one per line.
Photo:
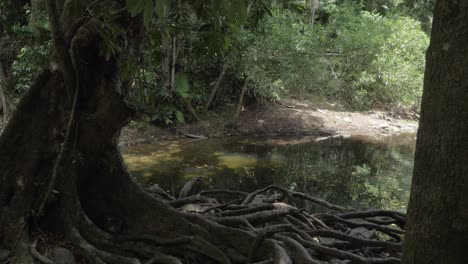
x=192 y=135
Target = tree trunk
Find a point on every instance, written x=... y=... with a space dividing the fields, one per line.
x=437 y=230
x=313 y=8
x=92 y=184
x=216 y=86
x=3 y=94
x=241 y=99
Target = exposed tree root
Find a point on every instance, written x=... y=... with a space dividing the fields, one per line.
x=296 y=236
x=41 y=258
x=247 y=231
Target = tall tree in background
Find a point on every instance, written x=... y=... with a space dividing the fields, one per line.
x=437 y=229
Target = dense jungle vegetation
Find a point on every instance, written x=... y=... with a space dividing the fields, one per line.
x=366 y=54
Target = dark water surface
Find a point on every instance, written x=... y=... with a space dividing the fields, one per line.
x=357 y=172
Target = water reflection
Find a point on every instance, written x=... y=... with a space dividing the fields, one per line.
x=358 y=172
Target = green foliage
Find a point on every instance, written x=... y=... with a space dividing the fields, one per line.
x=161 y=105
x=33 y=54
x=24 y=44
x=186 y=43
x=381 y=58
x=11 y=18
x=182 y=86
x=29 y=62
x=284 y=58
x=367 y=54
x=375 y=190
x=138 y=125
x=396 y=75
x=112 y=39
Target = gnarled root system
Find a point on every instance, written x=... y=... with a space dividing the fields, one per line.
x=265 y=226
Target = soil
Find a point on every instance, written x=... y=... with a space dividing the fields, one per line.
x=291 y=117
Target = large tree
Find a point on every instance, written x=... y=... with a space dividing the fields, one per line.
x=437 y=229
x=60 y=166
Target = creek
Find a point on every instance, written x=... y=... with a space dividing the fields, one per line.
x=360 y=172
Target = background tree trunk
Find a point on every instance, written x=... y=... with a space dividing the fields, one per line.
x=240 y=104
x=437 y=230
x=216 y=86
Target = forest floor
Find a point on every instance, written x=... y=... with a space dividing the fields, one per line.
x=291 y=117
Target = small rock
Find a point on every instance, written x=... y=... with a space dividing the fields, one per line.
x=4 y=254
x=63 y=256
x=193 y=208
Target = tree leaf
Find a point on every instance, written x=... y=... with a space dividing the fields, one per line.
x=148 y=12
x=162 y=6
x=135 y=7
x=239 y=11
x=182 y=86
x=180 y=116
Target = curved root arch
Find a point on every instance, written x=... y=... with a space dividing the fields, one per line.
x=238 y=227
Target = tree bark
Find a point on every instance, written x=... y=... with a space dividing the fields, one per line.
x=241 y=99
x=3 y=94
x=216 y=86
x=437 y=230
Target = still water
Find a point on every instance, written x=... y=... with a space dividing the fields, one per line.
x=356 y=172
